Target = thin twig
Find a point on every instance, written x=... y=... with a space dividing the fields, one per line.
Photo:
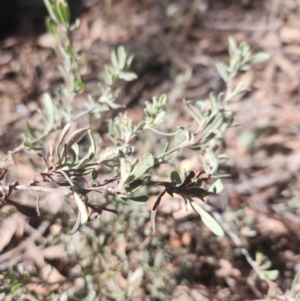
x=63 y=190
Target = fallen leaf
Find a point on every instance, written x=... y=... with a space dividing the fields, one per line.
x=9 y=226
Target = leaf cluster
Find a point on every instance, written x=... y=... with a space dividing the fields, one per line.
x=130 y=176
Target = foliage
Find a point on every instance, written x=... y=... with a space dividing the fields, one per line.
x=121 y=172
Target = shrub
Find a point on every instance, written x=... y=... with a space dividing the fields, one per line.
x=82 y=163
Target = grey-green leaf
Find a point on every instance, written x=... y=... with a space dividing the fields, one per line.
x=272 y=275
x=114 y=59
x=222 y=69
x=121 y=57
x=125 y=169
x=233 y=47
x=76 y=136
x=82 y=208
x=159 y=118
x=92 y=148
x=216 y=187
x=259 y=57
x=62 y=136
x=49 y=108
x=143 y=166
x=208 y=220
x=128 y=76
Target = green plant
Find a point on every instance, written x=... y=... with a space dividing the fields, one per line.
x=261 y=271
x=120 y=172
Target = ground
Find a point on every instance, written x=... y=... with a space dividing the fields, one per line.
x=184 y=260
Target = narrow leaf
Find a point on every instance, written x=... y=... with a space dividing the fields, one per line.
x=121 y=57
x=92 y=148
x=216 y=187
x=57 y=15
x=135 y=200
x=37 y=208
x=208 y=220
x=259 y=57
x=62 y=136
x=266 y=265
x=238 y=90
x=114 y=60
x=51 y=151
x=154 y=210
x=64 y=12
x=82 y=208
x=76 y=136
x=143 y=166
x=272 y=275
x=192 y=111
x=159 y=118
x=76 y=225
x=49 y=7
x=49 y=108
x=51 y=26
x=128 y=76
x=258 y=258
x=233 y=47
x=30 y=130
x=125 y=169
x=222 y=69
